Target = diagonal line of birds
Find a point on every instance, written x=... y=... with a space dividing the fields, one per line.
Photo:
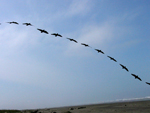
x=83 y=44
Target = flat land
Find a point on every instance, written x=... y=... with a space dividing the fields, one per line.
x=119 y=107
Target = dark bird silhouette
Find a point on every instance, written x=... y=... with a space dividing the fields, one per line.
x=43 y=31
x=72 y=40
x=147 y=83
x=56 y=34
x=99 y=51
x=124 y=67
x=27 y=24
x=136 y=77
x=112 y=58
x=13 y=22
x=86 y=45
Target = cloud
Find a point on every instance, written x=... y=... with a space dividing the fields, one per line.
x=134 y=99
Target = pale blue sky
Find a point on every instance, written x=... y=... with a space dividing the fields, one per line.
x=40 y=70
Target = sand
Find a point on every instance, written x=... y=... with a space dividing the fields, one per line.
x=119 y=107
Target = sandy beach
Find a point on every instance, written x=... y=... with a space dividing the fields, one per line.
x=118 y=107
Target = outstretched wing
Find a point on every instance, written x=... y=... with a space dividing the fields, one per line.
x=59 y=35
x=69 y=39
x=147 y=83
x=75 y=41
x=54 y=34
x=45 y=31
x=40 y=30
x=139 y=78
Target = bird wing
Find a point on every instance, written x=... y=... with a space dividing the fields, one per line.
x=97 y=50
x=108 y=56
x=114 y=60
x=126 y=69
x=59 y=35
x=45 y=31
x=139 y=78
x=147 y=83
x=74 y=40
x=54 y=34
x=40 y=30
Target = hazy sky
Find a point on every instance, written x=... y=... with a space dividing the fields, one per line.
x=38 y=70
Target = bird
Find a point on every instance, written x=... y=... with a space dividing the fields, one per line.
x=56 y=34
x=43 y=31
x=27 y=24
x=147 y=83
x=124 y=67
x=136 y=77
x=72 y=40
x=99 y=51
x=112 y=58
x=13 y=22
x=86 y=45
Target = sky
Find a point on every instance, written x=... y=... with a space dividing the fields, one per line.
x=39 y=70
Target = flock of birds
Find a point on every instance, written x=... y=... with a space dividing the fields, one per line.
x=86 y=45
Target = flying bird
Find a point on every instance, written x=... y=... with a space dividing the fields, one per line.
x=147 y=83
x=13 y=22
x=72 y=40
x=86 y=45
x=43 y=31
x=56 y=34
x=136 y=77
x=124 y=67
x=99 y=51
x=112 y=58
x=27 y=24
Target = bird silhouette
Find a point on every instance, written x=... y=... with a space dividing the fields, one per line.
x=72 y=40
x=147 y=83
x=86 y=45
x=13 y=22
x=56 y=34
x=136 y=77
x=27 y=24
x=124 y=67
x=43 y=31
x=112 y=58
x=99 y=51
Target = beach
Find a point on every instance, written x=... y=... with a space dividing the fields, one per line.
x=118 y=107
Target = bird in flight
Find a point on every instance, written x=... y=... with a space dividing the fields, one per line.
x=99 y=51
x=124 y=67
x=72 y=40
x=56 y=34
x=147 y=83
x=43 y=31
x=136 y=77
x=112 y=58
x=27 y=24
x=13 y=22
x=86 y=45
